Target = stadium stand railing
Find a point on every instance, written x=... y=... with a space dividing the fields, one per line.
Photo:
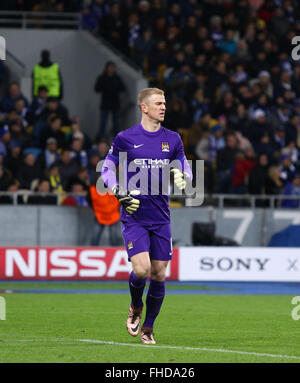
x=57 y=20
x=215 y=200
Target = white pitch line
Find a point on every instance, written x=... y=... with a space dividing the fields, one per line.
x=190 y=348
x=157 y=346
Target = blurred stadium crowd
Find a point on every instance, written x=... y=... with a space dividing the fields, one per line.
x=232 y=88
x=42 y=149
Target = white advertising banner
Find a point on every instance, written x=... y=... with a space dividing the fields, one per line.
x=239 y=264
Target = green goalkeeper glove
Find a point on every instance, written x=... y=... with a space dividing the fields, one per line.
x=180 y=178
x=125 y=198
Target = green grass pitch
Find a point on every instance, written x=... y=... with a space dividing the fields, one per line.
x=49 y=327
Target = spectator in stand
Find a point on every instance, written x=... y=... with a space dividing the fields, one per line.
x=228 y=44
x=53 y=105
x=109 y=84
x=43 y=198
x=243 y=143
x=292 y=151
x=292 y=189
x=202 y=147
x=264 y=147
x=258 y=128
x=67 y=168
x=132 y=31
x=55 y=181
x=226 y=106
x=198 y=104
x=292 y=128
x=182 y=81
x=29 y=171
x=216 y=142
x=99 y=8
x=37 y=105
x=285 y=83
x=189 y=31
x=21 y=110
x=265 y=82
x=48 y=74
x=52 y=109
x=54 y=131
x=274 y=184
x=12 y=188
x=102 y=149
x=5 y=138
x=280 y=115
x=78 y=196
x=77 y=152
x=258 y=176
x=142 y=47
x=14 y=157
x=175 y=16
x=112 y=27
x=287 y=169
x=50 y=154
x=262 y=103
x=14 y=94
x=76 y=128
x=98 y=153
x=225 y=164
x=239 y=121
x=82 y=177
x=94 y=159
x=19 y=134
x=177 y=118
x=244 y=163
x=5 y=178
x=158 y=60
x=89 y=19
x=278 y=140
x=210 y=144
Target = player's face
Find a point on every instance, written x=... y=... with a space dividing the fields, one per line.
x=156 y=107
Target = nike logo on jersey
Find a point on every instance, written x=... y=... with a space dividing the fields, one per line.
x=137 y=146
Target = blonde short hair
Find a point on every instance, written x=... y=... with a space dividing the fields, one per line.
x=144 y=94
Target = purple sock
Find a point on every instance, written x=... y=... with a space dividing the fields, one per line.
x=155 y=297
x=136 y=286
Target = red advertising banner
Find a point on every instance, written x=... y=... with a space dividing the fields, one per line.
x=79 y=263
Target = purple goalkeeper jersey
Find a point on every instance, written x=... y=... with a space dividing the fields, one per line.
x=149 y=156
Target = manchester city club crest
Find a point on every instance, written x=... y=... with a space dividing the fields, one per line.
x=165 y=147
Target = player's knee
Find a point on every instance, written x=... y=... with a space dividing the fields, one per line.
x=158 y=275
x=142 y=272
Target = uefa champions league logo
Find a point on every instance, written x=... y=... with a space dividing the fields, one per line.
x=2 y=48
x=2 y=308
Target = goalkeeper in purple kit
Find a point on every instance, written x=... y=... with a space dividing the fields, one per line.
x=145 y=213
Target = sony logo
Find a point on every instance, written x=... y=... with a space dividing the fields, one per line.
x=226 y=264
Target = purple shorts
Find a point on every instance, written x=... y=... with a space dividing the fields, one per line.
x=155 y=239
